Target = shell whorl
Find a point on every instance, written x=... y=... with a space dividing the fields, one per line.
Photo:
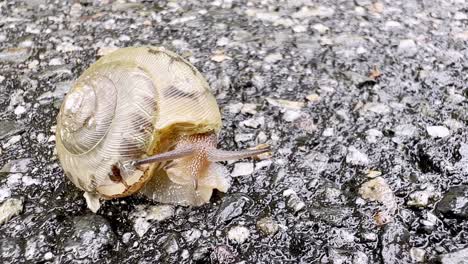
x=107 y=117
x=87 y=114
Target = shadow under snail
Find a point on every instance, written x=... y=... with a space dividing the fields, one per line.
x=143 y=119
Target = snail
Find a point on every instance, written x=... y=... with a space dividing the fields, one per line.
x=143 y=119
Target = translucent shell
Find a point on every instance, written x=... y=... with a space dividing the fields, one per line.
x=130 y=104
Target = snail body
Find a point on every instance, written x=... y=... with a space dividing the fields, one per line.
x=143 y=119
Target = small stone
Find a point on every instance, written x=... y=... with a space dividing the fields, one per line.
x=320 y=11
x=234 y=108
x=373 y=173
x=223 y=41
x=299 y=28
x=261 y=137
x=220 y=57
x=460 y=16
x=16 y=55
x=249 y=109
x=456 y=257
x=170 y=245
x=392 y=25
x=438 y=131
x=239 y=234
x=273 y=57
x=313 y=97
x=10 y=208
x=455 y=202
x=420 y=198
x=294 y=202
x=417 y=254
x=263 y=164
x=370 y=236
x=355 y=157
x=19 y=110
x=48 y=256
x=267 y=226
x=233 y=206
x=407 y=47
x=55 y=62
x=291 y=115
x=320 y=28
x=372 y=135
x=286 y=103
x=328 y=132
x=378 y=190
x=145 y=214
x=406 y=130
x=377 y=108
x=242 y=169
x=33 y=64
x=240 y=138
x=253 y=122
x=12 y=141
x=160 y=212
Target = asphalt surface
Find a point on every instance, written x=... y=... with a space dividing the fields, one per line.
x=364 y=103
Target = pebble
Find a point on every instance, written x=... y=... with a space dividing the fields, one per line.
x=55 y=62
x=233 y=206
x=9 y=208
x=356 y=157
x=234 y=108
x=320 y=28
x=145 y=214
x=19 y=110
x=420 y=198
x=223 y=41
x=286 y=103
x=273 y=57
x=407 y=47
x=253 y=122
x=240 y=138
x=406 y=130
x=294 y=202
x=320 y=11
x=460 y=16
x=455 y=202
x=239 y=234
x=242 y=169
x=16 y=55
x=299 y=28
x=249 y=109
x=438 y=131
x=267 y=226
x=328 y=132
x=395 y=244
x=378 y=190
x=291 y=115
x=171 y=245
x=417 y=254
x=12 y=141
x=456 y=257
x=372 y=135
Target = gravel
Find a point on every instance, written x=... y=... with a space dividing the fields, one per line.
x=340 y=90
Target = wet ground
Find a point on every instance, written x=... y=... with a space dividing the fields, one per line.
x=364 y=103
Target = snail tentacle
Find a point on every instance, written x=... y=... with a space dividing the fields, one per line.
x=169 y=155
x=222 y=155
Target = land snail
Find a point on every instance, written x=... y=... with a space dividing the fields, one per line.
x=143 y=119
